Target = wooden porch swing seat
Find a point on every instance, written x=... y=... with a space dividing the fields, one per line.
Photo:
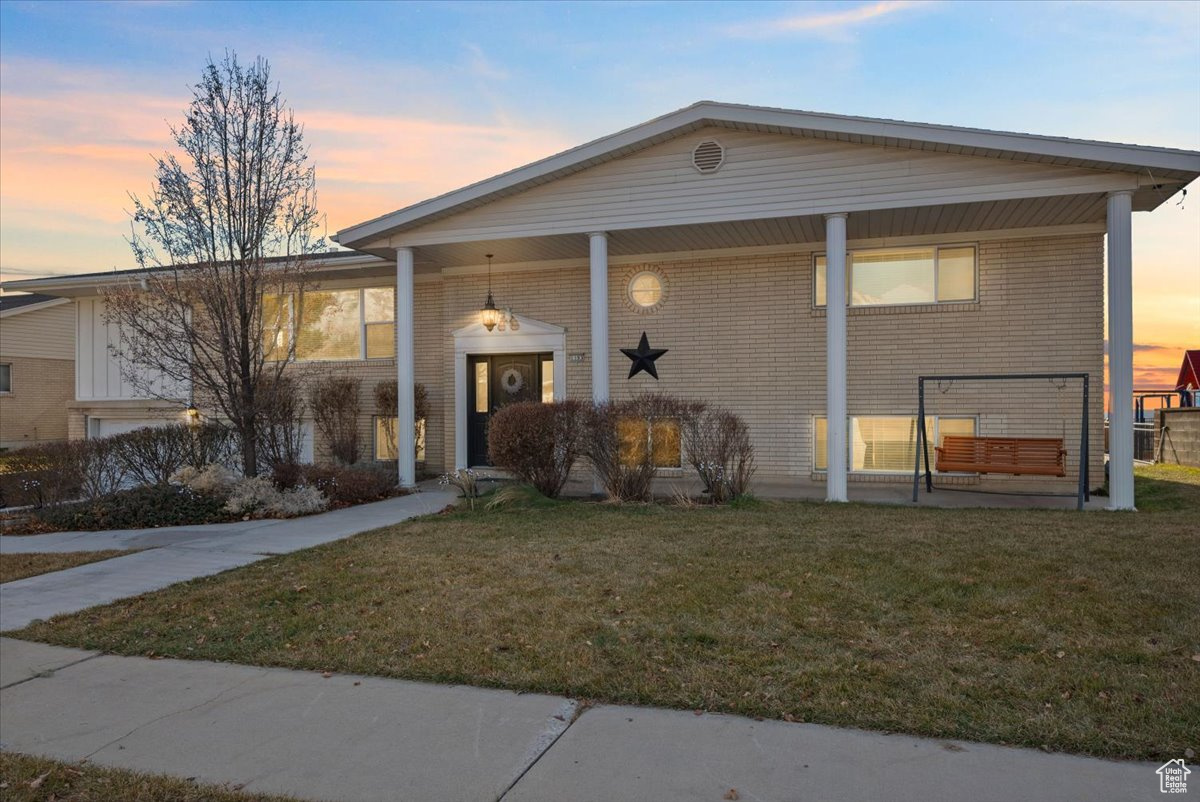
x=1034 y=456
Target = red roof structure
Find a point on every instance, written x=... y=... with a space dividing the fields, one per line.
x=1189 y=371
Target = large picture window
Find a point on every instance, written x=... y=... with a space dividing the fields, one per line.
x=894 y=277
x=886 y=443
x=331 y=324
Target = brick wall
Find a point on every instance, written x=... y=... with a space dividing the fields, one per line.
x=743 y=333
x=36 y=409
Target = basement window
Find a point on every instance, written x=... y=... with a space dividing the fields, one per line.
x=5 y=378
x=886 y=443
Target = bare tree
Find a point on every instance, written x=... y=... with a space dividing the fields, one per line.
x=222 y=241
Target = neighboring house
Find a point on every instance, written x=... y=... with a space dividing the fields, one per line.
x=711 y=230
x=37 y=368
x=1188 y=382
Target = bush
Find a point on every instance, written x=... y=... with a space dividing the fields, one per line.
x=257 y=496
x=41 y=476
x=280 y=430
x=626 y=440
x=538 y=442
x=139 y=507
x=387 y=399
x=335 y=408
x=347 y=485
x=101 y=470
x=717 y=444
x=214 y=478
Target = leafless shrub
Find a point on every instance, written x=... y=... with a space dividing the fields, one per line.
x=41 y=476
x=538 y=442
x=280 y=430
x=627 y=441
x=152 y=454
x=335 y=407
x=716 y=443
x=387 y=400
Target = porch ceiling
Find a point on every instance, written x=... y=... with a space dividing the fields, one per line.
x=964 y=218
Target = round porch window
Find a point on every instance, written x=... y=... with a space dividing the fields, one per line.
x=645 y=289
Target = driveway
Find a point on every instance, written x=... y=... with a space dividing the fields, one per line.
x=177 y=554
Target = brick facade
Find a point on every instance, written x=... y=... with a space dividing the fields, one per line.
x=36 y=409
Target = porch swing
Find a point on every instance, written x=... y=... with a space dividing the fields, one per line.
x=1015 y=456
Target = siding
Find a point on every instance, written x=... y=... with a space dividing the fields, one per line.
x=99 y=373
x=47 y=333
x=764 y=176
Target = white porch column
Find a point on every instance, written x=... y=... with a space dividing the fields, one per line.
x=406 y=447
x=1120 y=350
x=598 y=266
x=835 y=356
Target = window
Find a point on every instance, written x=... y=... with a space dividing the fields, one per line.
x=5 y=378
x=904 y=276
x=661 y=436
x=331 y=324
x=385 y=439
x=886 y=443
x=547 y=381
x=645 y=289
x=379 y=321
x=482 y=401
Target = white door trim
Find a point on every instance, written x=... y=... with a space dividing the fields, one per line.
x=533 y=337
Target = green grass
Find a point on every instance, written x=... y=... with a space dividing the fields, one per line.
x=1070 y=631
x=34 y=779
x=20 y=566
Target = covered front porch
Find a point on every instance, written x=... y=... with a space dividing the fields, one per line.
x=751 y=218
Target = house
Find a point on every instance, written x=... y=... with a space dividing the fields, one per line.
x=1188 y=382
x=37 y=368
x=720 y=232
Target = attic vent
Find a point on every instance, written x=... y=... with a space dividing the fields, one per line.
x=708 y=156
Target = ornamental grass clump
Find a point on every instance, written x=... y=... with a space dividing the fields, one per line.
x=538 y=443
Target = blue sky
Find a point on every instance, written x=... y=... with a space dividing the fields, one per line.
x=406 y=100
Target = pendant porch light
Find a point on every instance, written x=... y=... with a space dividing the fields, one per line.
x=489 y=315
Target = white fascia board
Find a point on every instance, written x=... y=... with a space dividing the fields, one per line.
x=706 y=112
x=79 y=285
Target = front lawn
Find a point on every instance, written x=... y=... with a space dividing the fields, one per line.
x=1064 y=630
x=35 y=779
x=20 y=566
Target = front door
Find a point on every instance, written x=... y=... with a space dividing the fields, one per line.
x=496 y=381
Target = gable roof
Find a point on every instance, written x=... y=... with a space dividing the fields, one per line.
x=1189 y=371
x=18 y=304
x=1169 y=169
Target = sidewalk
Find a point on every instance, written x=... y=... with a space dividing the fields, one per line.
x=177 y=554
x=361 y=738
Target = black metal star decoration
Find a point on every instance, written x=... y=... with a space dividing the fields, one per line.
x=643 y=357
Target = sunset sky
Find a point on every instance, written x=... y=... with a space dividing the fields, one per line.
x=404 y=101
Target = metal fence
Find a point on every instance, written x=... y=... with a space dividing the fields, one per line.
x=1143 y=441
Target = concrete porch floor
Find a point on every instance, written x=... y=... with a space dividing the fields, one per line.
x=900 y=493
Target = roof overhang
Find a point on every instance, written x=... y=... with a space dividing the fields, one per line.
x=20 y=310
x=343 y=265
x=1161 y=171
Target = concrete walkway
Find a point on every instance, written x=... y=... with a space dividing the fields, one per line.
x=361 y=738
x=177 y=554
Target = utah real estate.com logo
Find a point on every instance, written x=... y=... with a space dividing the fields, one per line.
x=1172 y=777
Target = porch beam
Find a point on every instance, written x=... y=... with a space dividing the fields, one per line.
x=1120 y=350
x=598 y=269
x=406 y=446
x=835 y=356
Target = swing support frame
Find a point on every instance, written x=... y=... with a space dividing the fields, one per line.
x=1082 y=494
